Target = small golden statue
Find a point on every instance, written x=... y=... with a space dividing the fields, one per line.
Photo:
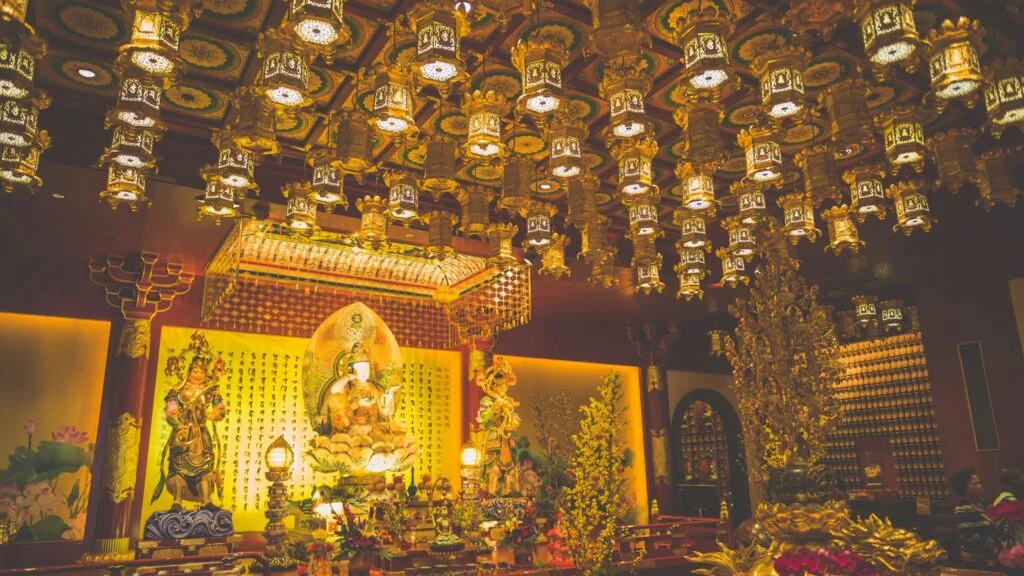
x=190 y=462
x=352 y=380
x=498 y=423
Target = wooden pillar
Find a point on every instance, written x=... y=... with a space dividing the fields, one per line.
x=652 y=347
x=139 y=288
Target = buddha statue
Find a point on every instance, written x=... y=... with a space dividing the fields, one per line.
x=352 y=377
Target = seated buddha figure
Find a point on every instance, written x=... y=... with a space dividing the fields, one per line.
x=353 y=389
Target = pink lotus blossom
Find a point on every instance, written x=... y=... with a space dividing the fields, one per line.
x=30 y=426
x=70 y=435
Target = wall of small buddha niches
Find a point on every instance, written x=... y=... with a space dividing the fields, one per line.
x=888 y=419
x=263 y=391
x=704 y=449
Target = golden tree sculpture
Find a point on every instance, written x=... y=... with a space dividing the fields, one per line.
x=783 y=355
x=595 y=504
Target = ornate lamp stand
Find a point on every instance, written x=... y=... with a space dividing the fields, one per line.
x=279 y=459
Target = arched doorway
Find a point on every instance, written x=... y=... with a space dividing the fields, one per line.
x=709 y=459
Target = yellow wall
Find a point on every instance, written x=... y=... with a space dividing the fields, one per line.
x=263 y=404
x=53 y=372
x=538 y=379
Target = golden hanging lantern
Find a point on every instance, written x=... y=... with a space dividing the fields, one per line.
x=696 y=189
x=393 y=103
x=283 y=77
x=138 y=103
x=300 y=211
x=647 y=265
x=484 y=112
x=439 y=29
x=850 y=118
x=734 y=268
x=476 y=215
x=643 y=218
x=889 y=33
x=867 y=191
x=689 y=285
x=763 y=154
x=798 y=217
x=131 y=147
x=439 y=234
x=235 y=165
x=703 y=147
x=155 y=35
x=954 y=159
x=19 y=166
x=540 y=59
x=997 y=181
x=553 y=257
x=912 y=210
x=781 y=74
x=702 y=35
x=716 y=342
x=567 y=136
x=403 y=196
x=354 y=144
x=538 y=223
x=319 y=25
x=842 y=232
x=693 y=228
x=125 y=185
x=903 y=137
x=892 y=315
x=18 y=122
x=618 y=28
x=219 y=201
x=327 y=188
x=636 y=174
x=252 y=123
x=750 y=199
x=499 y=240
x=625 y=87
x=602 y=269
x=18 y=56
x=821 y=176
x=953 y=62
x=13 y=10
x=691 y=262
x=742 y=242
x=439 y=166
x=373 y=227
x=516 y=181
x=866 y=309
x=594 y=237
x=1004 y=95
x=581 y=199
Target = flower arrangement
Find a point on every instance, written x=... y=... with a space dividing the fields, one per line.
x=1009 y=511
x=1012 y=557
x=356 y=537
x=823 y=562
x=44 y=491
x=521 y=532
x=1008 y=516
x=593 y=505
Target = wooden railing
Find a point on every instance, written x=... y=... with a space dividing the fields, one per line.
x=669 y=536
x=195 y=565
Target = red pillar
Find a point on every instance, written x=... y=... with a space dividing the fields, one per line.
x=139 y=288
x=652 y=347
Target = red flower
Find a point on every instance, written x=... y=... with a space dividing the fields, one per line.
x=1008 y=511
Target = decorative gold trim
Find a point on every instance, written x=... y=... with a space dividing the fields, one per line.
x=654 y=380
x=135 y=338
x=659 y=455
x=110 y=550
x=122 y=462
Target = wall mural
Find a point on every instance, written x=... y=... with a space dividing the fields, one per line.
x=51 y=415
x=261 y=387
